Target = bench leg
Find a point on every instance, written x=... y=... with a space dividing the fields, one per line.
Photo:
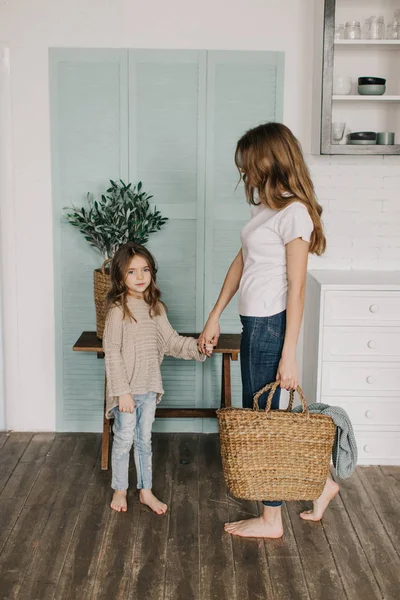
x=105 y=442
x=226 y=393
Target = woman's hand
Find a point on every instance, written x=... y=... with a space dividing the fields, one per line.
x=126 y=403
x=209 y=335
x=288 y=372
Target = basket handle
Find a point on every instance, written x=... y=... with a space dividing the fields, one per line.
x=105 y=263
x=273 y=386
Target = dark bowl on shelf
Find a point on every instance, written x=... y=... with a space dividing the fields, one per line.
x=371 y=81
x=362 y=135
x=362 y=138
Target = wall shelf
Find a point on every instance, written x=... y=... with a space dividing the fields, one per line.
x=386 y=44
x=357 y=98
x=352 y=59
x=372 y=149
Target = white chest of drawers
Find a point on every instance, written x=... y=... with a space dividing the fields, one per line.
x=352 y=354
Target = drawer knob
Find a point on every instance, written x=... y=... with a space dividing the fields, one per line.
x=371 y=344
x=369 y=414
x=366 y=448
x=374 y=308
x=370 y=379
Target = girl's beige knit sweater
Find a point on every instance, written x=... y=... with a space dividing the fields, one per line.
x=134 y=351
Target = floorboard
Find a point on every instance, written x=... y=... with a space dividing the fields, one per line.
x=59 y=539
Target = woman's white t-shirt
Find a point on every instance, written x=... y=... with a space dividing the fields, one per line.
x=263 y=286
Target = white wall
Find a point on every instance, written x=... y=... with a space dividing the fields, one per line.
x=360 y=196
x=7 y=234
x=361 y=201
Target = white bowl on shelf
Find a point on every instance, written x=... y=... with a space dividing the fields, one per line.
x=342 y=86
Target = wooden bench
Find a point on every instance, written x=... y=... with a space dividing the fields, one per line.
x=228 y=346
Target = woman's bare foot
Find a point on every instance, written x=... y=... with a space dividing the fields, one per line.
x=319 y=506
x=148 y=498
x=118 y=502
x=268 y=525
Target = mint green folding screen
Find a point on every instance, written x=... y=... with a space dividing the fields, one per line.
x=171 y=119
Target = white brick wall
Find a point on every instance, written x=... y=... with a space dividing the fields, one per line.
x=360 y=196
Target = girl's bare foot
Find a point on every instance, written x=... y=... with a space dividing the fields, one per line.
x=319 y=506
x=268 y=525
x=148 y=498
x=118 y=502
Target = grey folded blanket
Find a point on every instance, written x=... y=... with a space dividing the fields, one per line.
x=344 y=453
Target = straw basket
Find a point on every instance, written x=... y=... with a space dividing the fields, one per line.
x=275 y=454
x=101 y=280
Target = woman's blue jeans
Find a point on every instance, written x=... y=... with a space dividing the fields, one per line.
x=260 y=352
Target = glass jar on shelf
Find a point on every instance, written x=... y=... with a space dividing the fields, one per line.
x=376 y=28
x=352 y=30
x=393 y=30
x=381 y=28
x=365 y=29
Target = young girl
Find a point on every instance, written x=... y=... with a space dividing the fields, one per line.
x=137 y=335
x=270 y=274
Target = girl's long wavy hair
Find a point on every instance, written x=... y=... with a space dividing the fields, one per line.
x=117 y=296
x=270 y=161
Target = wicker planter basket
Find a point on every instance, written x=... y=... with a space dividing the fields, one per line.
x=101 y=280
x=275 y=454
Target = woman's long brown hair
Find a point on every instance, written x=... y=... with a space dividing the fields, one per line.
x=117 y=296
x=270 y=161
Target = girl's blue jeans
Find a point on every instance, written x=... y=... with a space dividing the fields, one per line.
x=133 y=429
x=260 y=352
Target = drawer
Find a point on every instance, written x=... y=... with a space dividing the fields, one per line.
x=378 y=448
x=374 y=411
x=362 y=308
x=361 y=344
x=349 y=378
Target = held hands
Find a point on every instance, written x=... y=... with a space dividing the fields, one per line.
x=209 y=337
x=288 y=372
x=126 y=403
x=208 y=349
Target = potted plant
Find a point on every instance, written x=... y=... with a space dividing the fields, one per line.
x=122 y=215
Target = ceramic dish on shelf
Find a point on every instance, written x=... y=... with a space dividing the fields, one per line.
x=362 y=138
x=371 y=81
x=371 y=90
x=361 y=142
x=371 y=86
x=385 y=138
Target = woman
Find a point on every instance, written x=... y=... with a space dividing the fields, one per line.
x=270 y=273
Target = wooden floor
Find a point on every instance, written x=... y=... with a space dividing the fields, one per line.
x=59 y=538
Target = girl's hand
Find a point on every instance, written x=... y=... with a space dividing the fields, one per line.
x=209 y=349
x=126 y=403
x=209 y=336
x=288 y=372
